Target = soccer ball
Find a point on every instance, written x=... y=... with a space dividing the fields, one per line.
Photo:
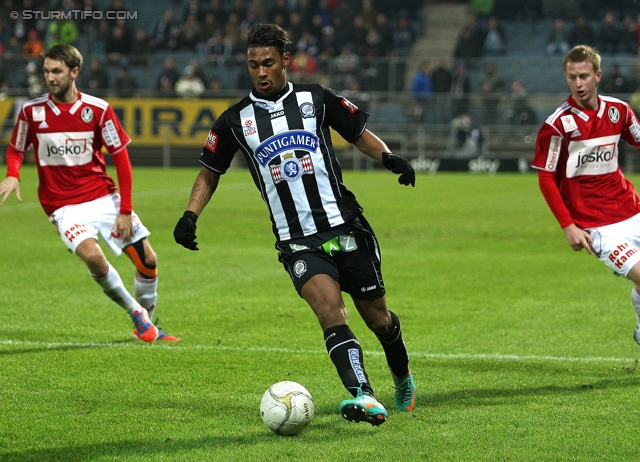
x=286 y=408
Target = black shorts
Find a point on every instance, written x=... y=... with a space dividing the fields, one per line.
x=357 y=271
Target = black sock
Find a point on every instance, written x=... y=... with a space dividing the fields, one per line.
x=346 y=353
x=395 y=349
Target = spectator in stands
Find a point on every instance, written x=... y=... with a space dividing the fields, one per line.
x=495 y=39
x=558 y=38
x=441 y=80
x=163 y=33
x=218 y=49
x=219 y=13
x=166 y=88
x=615 y=83
x=358 y=35
x=517 y=110
x=193 y=8
x=582 y=33
x=198 y=71
x=354 y=93
x=279 y=13
x=635 y=100
x=61 y=31
x=140 y=49
x=125 y=84
x=629 y=35
x=296 y=28
x=460 y=90
x=189 y=86
x=191 y=33
x=466 y=48
x=375 y=45
x=308 y=43
x=96 y=79
x=492 y=87
x=34 y=46
x=118 y=45
x=329 y=44
x=421 y=93
x=608 y=34
x=302 y=67
x=33 y=80
x=403 y=37
x=233 y=32
x=168 y=76
x=215 y=84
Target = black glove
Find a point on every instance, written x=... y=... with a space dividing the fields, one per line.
x=400 y=165
x=185 y=231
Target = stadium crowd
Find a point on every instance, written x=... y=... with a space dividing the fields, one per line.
x=212 y=32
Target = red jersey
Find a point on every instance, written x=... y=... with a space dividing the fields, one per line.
x=580 y=147
x=68 y=141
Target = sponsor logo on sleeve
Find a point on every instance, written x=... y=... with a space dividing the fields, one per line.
x=634 y=128
x=110 y=134
x=568 y=123
x=352 y=108
x=21 y=135
x=554 y=153
x=212 y=141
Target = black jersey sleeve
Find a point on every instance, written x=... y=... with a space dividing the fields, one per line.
x=344 y=116
x=220 y=146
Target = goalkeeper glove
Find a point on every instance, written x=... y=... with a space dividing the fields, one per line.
x=398 y=164
x=185 y=231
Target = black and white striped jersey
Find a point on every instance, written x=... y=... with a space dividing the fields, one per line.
x=288 y=149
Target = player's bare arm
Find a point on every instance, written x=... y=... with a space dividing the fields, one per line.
x=579 y=239
x=203 y=188
x=371 y=145
x=7 y=186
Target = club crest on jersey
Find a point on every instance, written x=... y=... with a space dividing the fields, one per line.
x=614 y=115
x=37 y=113
x=307 y=110
x=87 y=114
x=568 y=123
x=284 y=142
x=291 y=168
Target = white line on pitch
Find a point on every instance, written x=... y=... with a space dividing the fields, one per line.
x=499 y=357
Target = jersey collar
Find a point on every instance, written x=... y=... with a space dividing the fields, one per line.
x=277 y=97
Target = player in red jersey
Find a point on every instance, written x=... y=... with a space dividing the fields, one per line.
x=579 y=176
x=68 y=130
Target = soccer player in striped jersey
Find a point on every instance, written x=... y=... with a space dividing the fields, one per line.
x=577 y=152
x=68 y=130
x=324 y=242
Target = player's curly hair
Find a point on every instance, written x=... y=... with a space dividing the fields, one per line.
x=66 y=53
x=583 y=54
x=269 y=35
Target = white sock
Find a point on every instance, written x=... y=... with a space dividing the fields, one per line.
x=635 y=300
x=146 y=293
x=112 y=285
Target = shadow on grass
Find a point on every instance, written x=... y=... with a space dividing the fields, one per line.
x=60 y=346
x=213 y=447
x=497 y=396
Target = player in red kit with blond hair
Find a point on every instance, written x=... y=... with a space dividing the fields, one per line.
x=577 y=154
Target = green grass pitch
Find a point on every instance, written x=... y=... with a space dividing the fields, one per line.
x=522 y=349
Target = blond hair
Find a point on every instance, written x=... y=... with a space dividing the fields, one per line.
x=582 y=54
